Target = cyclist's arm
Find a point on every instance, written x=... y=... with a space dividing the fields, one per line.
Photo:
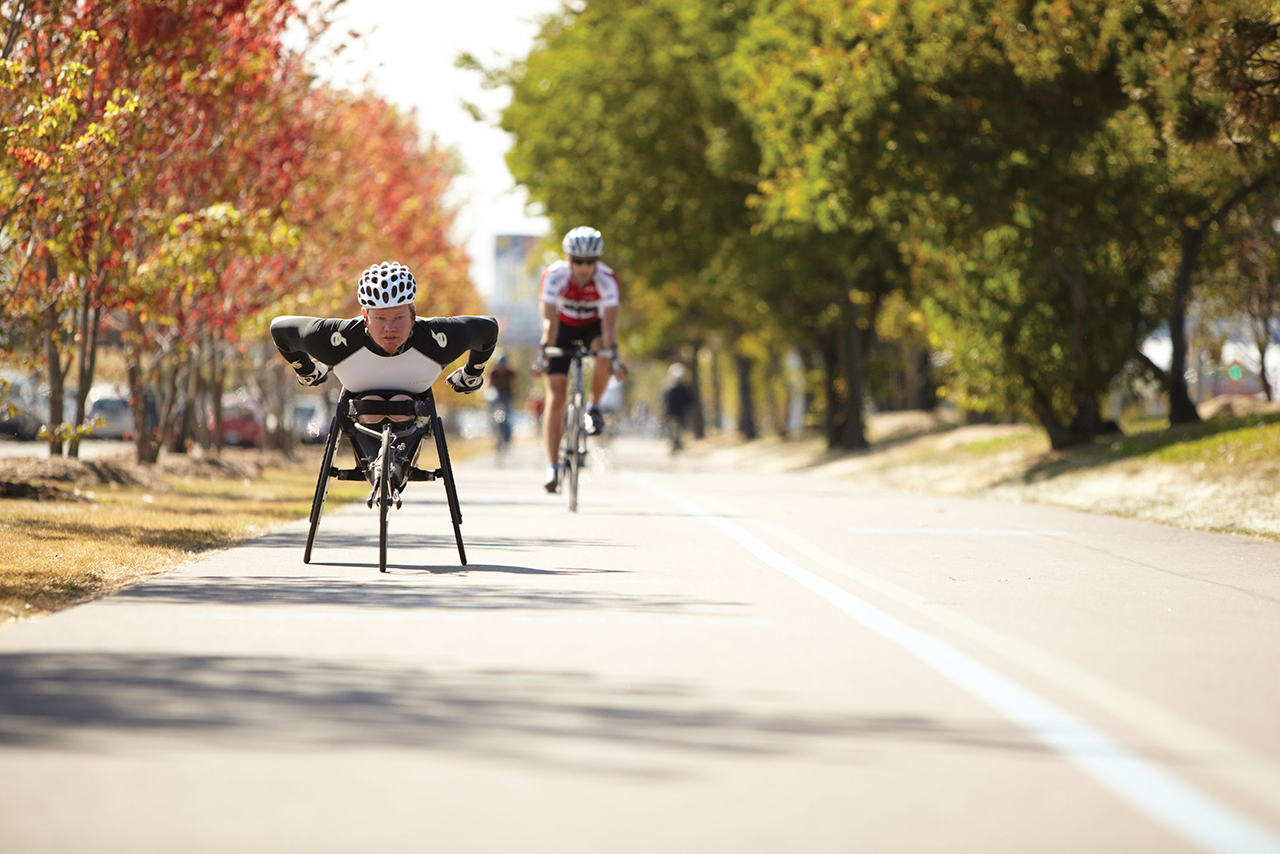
x=609 y=327
x=550 y=323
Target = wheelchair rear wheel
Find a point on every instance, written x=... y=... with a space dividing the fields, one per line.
x=450 y=488
x=322 y=487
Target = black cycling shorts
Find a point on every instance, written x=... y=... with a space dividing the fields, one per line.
x=566 y=338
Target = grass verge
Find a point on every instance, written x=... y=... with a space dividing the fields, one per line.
x=1221 y=474
x=100 y=537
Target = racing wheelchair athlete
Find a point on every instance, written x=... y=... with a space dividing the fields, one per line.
x=387 y=360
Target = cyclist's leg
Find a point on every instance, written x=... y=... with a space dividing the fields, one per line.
x=557 y=380
x=373 y=419
x=600 y=372
x=553 y=415
x=599 y=381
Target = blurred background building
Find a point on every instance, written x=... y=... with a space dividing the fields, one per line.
x=518 y=265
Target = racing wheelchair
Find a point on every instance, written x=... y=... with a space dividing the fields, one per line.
x=386 y=456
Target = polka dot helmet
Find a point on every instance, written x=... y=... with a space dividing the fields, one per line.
x=387 y=285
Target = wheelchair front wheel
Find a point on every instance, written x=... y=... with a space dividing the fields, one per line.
x=384 y=495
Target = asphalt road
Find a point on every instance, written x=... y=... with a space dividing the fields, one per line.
x=700 y=661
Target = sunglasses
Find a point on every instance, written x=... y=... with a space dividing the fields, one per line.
x=582 y=262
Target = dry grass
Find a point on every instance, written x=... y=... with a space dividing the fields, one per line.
x=1222 y=474
x=103 y=536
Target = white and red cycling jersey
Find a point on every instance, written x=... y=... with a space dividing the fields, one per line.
x=580 y=305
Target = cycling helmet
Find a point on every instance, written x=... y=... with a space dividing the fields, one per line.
x=387 y=285
x=583 y=242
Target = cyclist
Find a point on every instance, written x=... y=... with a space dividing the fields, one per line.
x=388 y=347
x=580 y=299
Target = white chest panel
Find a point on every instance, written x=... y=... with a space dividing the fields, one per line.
x=409 y=371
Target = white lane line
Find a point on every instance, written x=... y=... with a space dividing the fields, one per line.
x=1220 y=756
x=1159 y=795
x=960 y=532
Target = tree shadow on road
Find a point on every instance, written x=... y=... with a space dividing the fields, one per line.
x=297 y=539
x=374 y=591
x=70 y=701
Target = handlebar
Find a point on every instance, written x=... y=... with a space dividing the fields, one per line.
x=557 y=352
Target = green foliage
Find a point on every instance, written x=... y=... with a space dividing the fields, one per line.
x=65 y=432
x=619 y=122
x=988 y=145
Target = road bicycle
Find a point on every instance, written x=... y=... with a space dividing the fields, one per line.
x=573 y=441
x=386 y=455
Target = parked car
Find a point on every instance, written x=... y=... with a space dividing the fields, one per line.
x=109 y=402
x=311 y=418
x=29 y=407
x=242 y=421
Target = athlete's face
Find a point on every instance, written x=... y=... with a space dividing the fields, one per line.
x=582 y=269
x=389 y=327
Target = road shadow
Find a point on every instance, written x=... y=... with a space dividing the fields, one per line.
x=373 y=590
x=76 y=701
x=398 y=539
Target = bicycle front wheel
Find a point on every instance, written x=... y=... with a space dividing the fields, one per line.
x=574 y=438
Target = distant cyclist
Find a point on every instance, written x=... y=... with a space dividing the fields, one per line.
x=580 y=297
x=388 y=347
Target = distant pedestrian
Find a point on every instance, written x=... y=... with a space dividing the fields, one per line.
x=677 y=398
x=499 y=393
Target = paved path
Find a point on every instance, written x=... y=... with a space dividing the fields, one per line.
x=699 y=661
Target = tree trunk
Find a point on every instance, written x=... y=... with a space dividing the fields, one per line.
x=91 y=323
x=697 y=421
x=776 y=393
x=927 y=398
x=717 y=392
x=1181 y=409
x=746 y=401
x=1261 y=339
x=856 y=345
x=54 y=369
x=215 y=394
x=833 y=418
x=167 y=406
x=146 y=451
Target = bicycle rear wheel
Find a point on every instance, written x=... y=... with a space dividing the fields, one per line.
x=384 y=495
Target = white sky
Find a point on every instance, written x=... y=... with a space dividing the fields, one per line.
x=408 y=53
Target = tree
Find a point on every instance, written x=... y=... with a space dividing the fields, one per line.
x=1247 y=284
x=1206 y=78
x=976 y=144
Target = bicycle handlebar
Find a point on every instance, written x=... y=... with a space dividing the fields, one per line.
x=557 y=352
